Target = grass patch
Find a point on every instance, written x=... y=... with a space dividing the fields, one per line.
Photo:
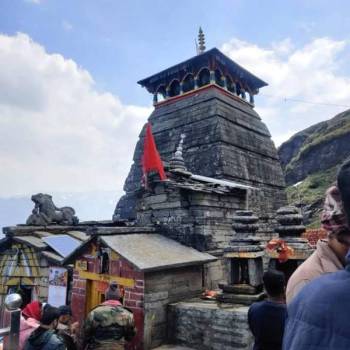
x=312 y=190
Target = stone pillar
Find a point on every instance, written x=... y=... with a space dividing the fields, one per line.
x=244 y=96
x=212 y=77
x=181 y=88
x=155 y=99
x=234 y=88
x=167 y=92
x=224 y=82
x=196 y=82
x=245 y=258
x=251 y=99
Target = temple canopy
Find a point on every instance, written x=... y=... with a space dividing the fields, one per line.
x=208 y=67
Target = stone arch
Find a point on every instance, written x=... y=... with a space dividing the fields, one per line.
x=188 y=83
x=239 y=89
x=248 y=94
x=174 y=88
x=203 y=77
x=160 y=93
x=231 y=86
x=219 y=77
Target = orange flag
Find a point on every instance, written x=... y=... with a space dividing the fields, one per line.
x=151 y=159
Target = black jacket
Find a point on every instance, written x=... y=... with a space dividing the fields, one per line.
x=42 y=339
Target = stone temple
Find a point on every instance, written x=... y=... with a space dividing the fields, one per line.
x=204 y=227
x=210 y=99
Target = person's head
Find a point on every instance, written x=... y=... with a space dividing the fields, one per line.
x=112 y=292
x=343 y=182
x=50 y=317
x=32 y=310
x=339 y=244
x=65 y=314
x=274 y=283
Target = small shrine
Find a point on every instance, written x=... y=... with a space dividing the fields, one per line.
x=291 y=249
x=244 y=255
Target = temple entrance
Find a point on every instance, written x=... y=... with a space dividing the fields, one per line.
x=95 y=294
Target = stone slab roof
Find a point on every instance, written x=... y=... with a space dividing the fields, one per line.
x=221 y=182
x=150 y=252
x=33 y=237
x=147 y=251
x=52 y=256
x=32 y=241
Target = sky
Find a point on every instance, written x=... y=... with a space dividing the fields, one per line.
x=70 y=106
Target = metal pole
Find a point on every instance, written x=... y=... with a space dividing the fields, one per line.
x=13 y=339
x=12 y=303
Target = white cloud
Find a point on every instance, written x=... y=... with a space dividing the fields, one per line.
x=57 y=132
x=307 y=73
x=67 y=26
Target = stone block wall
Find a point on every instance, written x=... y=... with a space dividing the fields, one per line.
x=161 y=289
x=216 y=272
x=205 y=326
x=200 y=219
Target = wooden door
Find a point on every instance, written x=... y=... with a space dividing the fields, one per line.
x=94 y=295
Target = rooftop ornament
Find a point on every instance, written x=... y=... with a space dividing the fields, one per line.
x=201 y=41
x=45 y=212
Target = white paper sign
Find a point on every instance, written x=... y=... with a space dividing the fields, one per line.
x=57 y=286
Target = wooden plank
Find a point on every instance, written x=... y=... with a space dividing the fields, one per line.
x=126 y=282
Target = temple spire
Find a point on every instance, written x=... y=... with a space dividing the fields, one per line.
x=201 y=41
x=177 y=161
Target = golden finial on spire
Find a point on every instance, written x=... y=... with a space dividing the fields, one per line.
x=201 y=41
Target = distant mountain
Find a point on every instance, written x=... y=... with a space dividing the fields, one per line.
x=88 y=206
x=310 y=160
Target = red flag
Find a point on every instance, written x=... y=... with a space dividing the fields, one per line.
x=151 y=159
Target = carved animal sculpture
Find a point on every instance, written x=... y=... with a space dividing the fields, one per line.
x=45 y=212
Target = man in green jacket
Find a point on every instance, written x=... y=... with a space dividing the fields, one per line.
x=109 y=326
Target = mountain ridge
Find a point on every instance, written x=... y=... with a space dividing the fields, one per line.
x=310 y=160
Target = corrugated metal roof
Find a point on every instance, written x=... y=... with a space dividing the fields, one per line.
x=149 y=252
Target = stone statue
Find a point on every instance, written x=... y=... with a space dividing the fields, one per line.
x=45 y=212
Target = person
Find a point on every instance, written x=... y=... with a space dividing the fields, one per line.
x=44 y=337
x=66 y=328
x=318 y=317
x=65 y=319
x=109 y=325
x=329 y=255
x=267 y=318
x=343 y=181
x=29 y=321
